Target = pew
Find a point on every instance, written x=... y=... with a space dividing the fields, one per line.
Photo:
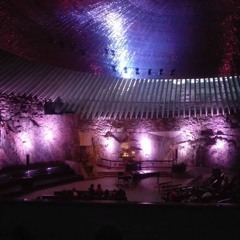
x=163 y=185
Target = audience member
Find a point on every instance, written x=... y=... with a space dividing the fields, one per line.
x=91 y=189
x=99 y=189
x=106 y=193
x=173 y=196
x=74 y=192
x=120 y=194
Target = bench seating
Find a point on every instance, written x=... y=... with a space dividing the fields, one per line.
x=86 y=195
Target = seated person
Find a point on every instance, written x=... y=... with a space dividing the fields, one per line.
x=99 y=190
x=106 y=194
x=91 y=189
x=74 y=192
x=120 y=194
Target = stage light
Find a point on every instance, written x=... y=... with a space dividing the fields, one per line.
x=146 y=145
x=137 y=70
x=219 y=144
x=48 y=134
x=172 y=72
x=114 y=68
x=26 y=140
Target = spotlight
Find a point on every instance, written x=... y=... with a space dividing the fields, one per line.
x=161 y=71
x=172 y=72
x=125 y=69
x=149 y=71
x=114 y=68
x=137 y=70
x=106 y=50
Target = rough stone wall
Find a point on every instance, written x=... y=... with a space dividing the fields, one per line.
x=212 y=141
x=55 y=139
x=26 y=129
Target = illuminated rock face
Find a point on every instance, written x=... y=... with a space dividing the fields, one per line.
x=26 y=129
x=209 y=141
x=54 y=139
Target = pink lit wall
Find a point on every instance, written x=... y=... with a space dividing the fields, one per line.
x=209 y=141
x=206 y=141
x=54 y=138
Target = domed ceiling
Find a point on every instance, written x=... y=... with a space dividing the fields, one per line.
x=126 y=38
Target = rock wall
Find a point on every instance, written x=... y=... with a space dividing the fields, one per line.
x=55 y=139
x=26 y=129
x=206 y=141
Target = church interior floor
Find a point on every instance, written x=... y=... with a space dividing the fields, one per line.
x=145 y=191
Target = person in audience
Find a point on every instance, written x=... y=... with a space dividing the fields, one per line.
x=91 y=189
x=114 y=193
x=120 y=194
x=206 y=197
x=193 y=198
x=173 y=196
x=99 y=188
x=74 y=192
x=106 y=194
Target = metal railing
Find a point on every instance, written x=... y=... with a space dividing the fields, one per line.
x=147 y=164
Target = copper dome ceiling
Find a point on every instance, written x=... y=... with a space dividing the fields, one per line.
x=130 y=39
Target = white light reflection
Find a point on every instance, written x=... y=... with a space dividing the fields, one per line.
x=219 y=144
x=109 y=144
x=116 y=26
x=115 y=23
x=26 y=140
x=146 y=145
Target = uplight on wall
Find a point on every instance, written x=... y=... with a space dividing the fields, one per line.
x=48 y=134
x=219 y=144
x=146 y=145
x=109 y=144
x=26 y=140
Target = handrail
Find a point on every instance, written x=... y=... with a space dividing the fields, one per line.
x=119 y=163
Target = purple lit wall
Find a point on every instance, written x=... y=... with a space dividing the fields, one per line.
x=55 y=139
x=208 y=141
